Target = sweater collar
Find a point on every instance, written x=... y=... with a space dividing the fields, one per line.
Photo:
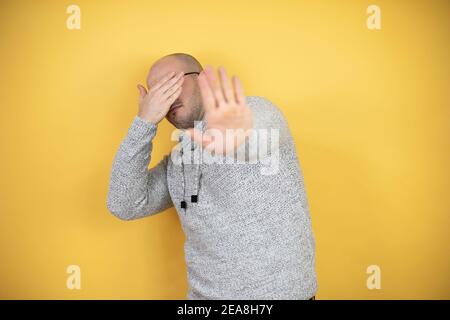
x=186 y=140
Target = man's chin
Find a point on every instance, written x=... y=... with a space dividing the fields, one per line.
x=177 y=123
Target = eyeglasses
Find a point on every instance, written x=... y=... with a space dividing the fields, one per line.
x=191 y=73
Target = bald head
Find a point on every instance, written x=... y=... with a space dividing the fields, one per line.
x=190 y=97
x=173 y=62
x=188 y=60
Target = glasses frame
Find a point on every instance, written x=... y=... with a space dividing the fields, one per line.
x=187 y=73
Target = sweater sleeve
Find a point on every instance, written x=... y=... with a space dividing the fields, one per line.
x=134 y=190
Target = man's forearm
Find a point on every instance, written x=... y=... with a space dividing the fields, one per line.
x=130 y=193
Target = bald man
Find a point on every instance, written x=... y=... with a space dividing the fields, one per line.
x=234 y=179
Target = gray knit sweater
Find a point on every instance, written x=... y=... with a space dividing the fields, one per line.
x=249 y=234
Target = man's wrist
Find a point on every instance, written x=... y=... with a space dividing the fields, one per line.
x=142 y=128
x=147 y=120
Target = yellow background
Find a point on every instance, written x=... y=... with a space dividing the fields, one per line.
x=369 y=111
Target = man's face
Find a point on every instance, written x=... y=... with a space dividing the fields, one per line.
x=187 y=107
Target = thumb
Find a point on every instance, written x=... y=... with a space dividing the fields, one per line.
x=142 y=91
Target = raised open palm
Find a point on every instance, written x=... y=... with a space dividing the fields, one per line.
x=226 y=112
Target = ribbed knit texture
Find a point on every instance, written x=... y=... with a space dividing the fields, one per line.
x=249 y=236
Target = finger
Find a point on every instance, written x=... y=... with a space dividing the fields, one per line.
x=215 y=85
x=174 y=96
x=209 y=102
x=171 y=82
x=142 y=91
x=226 y=86
x=239 y=92
x=162 y=81
x=172 y=89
